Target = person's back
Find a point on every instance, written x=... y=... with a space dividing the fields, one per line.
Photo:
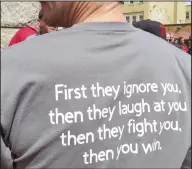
x=96 y=96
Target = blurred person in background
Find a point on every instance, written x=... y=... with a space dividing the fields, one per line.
x=26 y=31
x=43 y=28
x=30 y=31
x=176 y=43
x=171 y=40
x=189 y=46
x=167 y=37
x=182 y=44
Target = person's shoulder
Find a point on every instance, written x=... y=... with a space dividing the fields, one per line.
x=36 y=50
x=43 y=42
x=183 y=58
x=162 y=52
x=39 y=43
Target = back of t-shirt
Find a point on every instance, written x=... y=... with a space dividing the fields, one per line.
x=97 y=95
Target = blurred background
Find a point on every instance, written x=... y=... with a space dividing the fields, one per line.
x=176 y=16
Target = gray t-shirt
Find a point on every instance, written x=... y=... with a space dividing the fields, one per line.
x=97 y=95
x=32 y=36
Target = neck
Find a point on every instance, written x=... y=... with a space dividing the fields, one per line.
x=96 y=12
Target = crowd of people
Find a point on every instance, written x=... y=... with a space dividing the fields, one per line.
x=100 y=93
x=181 y=43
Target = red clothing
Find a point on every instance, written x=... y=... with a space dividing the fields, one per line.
x=185 y=48
x=22 y=34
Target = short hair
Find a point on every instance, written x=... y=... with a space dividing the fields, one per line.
x=40 y=16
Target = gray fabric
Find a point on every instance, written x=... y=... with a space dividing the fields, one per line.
x=32 y=36
x=107 y=53
x=187 y=162
x=6 y=160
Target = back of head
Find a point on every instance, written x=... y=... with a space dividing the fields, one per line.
x=66 y=14
x=153 y=27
